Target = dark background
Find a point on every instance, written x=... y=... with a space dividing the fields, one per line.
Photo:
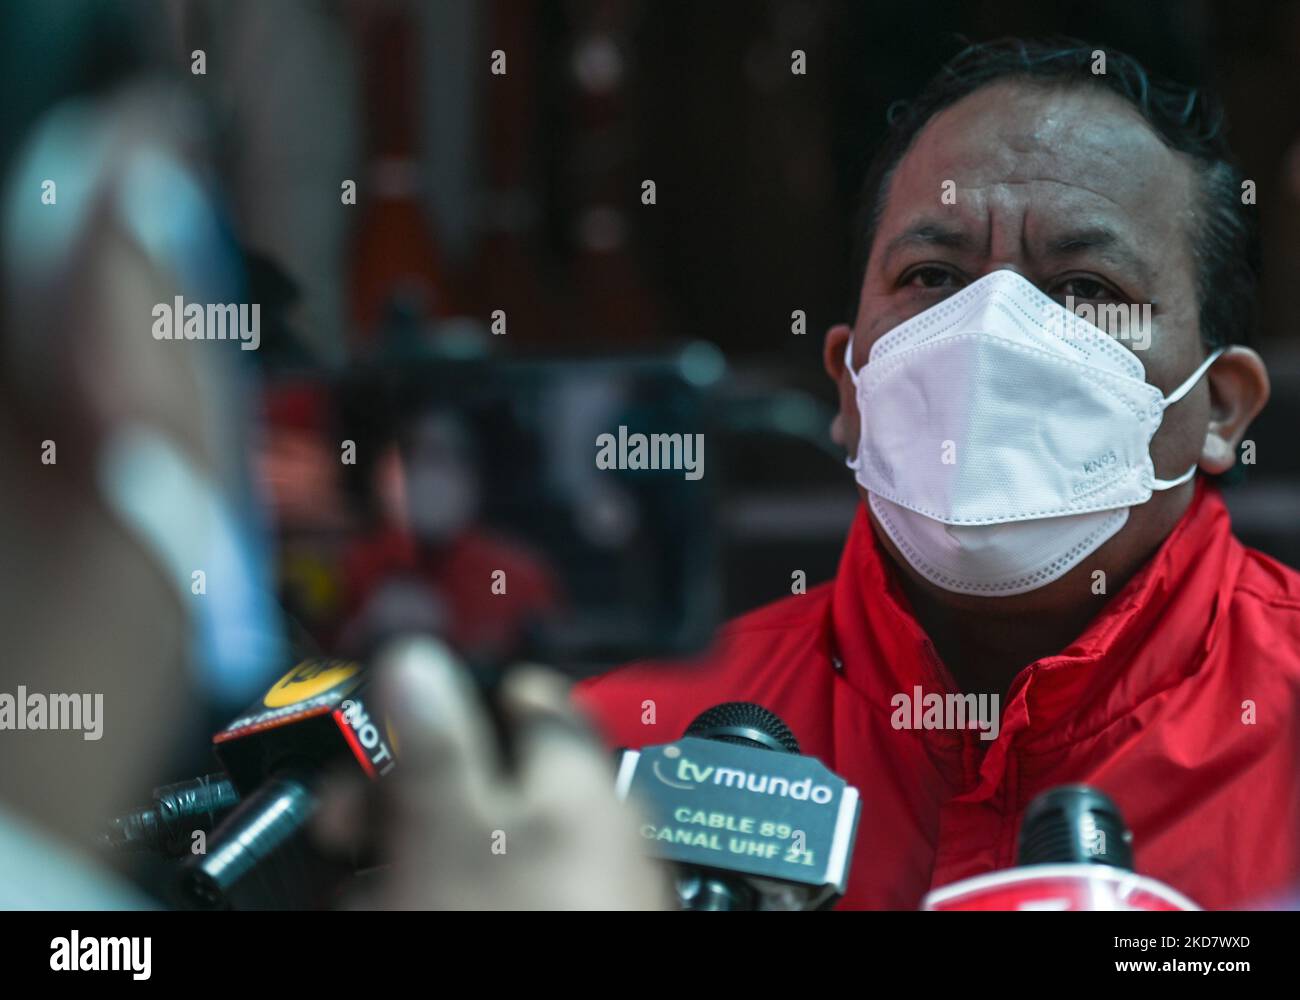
x=522 y=193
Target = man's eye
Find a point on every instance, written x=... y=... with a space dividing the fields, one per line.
x=1081 y=289
x=930 y=277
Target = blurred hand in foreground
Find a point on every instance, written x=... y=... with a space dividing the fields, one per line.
x=460 y=831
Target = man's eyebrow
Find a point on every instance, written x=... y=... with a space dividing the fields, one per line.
x=929 y=233
x=1107 y=244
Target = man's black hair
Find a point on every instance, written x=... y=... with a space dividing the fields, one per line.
x=1225 y=243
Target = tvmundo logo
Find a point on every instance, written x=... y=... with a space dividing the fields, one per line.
x=689 y=775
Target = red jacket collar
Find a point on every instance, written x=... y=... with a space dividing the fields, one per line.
x=1149 y=636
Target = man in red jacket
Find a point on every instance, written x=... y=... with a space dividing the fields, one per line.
x=1033 y=531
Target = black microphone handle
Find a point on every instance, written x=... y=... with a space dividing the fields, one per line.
x=265 y=827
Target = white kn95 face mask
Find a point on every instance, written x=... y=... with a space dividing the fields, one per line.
x=1003 y=438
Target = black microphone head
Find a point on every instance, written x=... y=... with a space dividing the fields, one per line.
x=745 y=724
x=1074 y=824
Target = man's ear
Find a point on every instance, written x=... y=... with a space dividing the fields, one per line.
x=1239 y=388
x=833 y=347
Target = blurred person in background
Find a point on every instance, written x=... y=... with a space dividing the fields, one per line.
x=432 y=565
x=123 y=461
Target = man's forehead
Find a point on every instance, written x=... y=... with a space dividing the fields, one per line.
x=1025 y=146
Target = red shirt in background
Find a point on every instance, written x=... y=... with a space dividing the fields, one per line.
x=473 y=616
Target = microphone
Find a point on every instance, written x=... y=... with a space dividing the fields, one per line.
x=313 y=718
x=744 y=724
x=740 y=724
x=166 y=825
x=750 y=823
x=1075 y=852
x=1074 y=824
